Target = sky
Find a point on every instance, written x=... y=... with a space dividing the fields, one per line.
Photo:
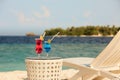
x=17 y=17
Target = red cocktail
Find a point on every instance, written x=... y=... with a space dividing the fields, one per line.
x=38 y=47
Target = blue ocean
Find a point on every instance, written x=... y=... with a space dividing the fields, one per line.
x=14 y=49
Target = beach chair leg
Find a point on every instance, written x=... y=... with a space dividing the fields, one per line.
x=84 y=75
x=109 y=75
x=77 y=76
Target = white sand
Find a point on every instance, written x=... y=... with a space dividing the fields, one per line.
x=13 y=75
x=22 y=75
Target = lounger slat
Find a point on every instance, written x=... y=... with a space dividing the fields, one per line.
x=113 y=60
x=108 y=51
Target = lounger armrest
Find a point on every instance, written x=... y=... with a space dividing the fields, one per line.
x=109 y=75
x=109 y=68
x=79 y=67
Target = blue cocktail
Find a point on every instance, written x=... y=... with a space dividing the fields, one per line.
x=47 y=47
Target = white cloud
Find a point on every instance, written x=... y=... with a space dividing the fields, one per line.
x=46 y=13
x=35 y=17
x=38 y=14
x=87 y=14
x=23 y=19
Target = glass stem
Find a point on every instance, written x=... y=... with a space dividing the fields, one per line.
x=47 y=54
x=38 y=55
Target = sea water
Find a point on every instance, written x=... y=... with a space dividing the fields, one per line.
x=14 y=49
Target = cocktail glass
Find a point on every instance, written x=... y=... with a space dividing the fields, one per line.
x=47 y=47
x=38 y=47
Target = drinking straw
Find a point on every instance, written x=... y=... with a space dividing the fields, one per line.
x=49 y=41
x=54 y=36
x=42 y=36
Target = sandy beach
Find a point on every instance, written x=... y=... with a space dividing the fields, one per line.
x=22 y=75
x=66 y=74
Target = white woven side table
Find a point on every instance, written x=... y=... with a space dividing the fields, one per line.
x=43 y=69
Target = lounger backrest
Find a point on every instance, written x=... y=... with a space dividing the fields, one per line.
x=110 y=56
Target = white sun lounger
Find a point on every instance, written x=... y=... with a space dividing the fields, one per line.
x=105 y=66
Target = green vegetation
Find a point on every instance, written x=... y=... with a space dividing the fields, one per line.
x=85 y=30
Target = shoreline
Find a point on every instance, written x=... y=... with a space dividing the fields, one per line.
x=85 y=36
x=65 y=74
x=82 y=36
